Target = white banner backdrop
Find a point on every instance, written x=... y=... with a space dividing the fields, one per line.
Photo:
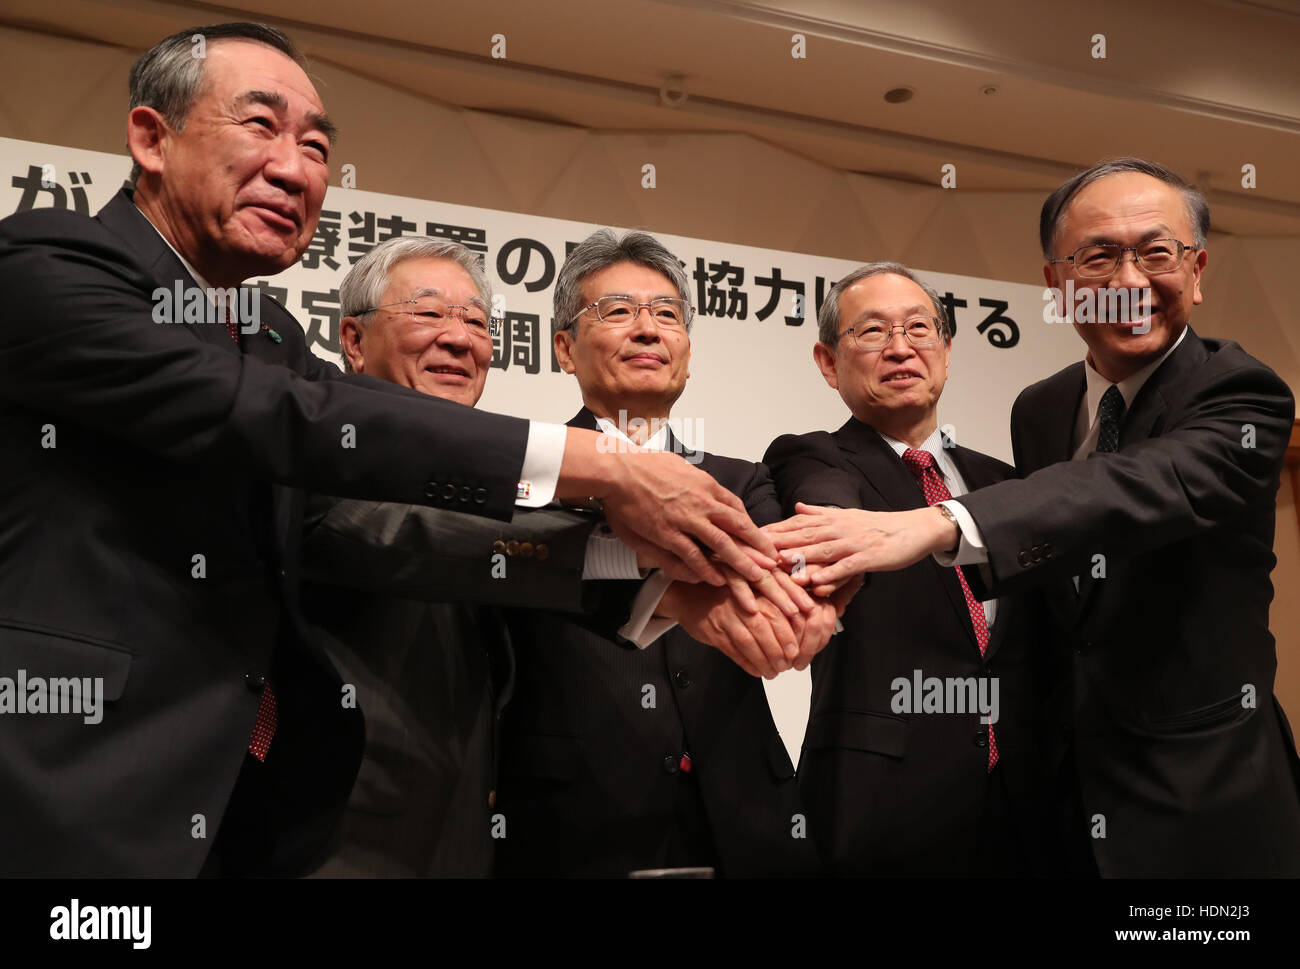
x=752 y=371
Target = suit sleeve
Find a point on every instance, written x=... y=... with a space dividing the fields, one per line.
x=1221 y=455
x=802 y=469
x=78 y=342
x=439 y=556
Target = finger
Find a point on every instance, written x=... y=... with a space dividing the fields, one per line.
x=737 y=524
x=692 y=556
x=795 y=591
x=775 y=637
x=819 y=552
x=774 y=592
x=745 y=643
x=733 y=555
x=806 y=509
x=741 y=592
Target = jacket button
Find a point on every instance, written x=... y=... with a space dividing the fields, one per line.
x=981 y=739
x=670 y=764
x=1024 y=559
x=254 y=681
x=526 y=549
x=431 y=490
x=512 y=547
x=498 y=546
x=449 y=492
x=682 y=679
x=543 y=551
x=480 y=496
x=465 y=493
x=492 y=799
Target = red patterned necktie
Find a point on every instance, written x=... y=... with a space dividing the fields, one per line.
x=264 y=727
x=921 y=464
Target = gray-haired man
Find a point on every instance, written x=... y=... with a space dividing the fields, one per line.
x=667 y=756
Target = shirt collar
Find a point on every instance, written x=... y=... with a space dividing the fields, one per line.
x=657 y=442
x=1128 y=387
x=933 y=444
x=203 y=283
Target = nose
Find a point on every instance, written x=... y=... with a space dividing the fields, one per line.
x=285 y=167
x=454 y=334
x=898 y=345
x=644 y=327
x=1128 y=274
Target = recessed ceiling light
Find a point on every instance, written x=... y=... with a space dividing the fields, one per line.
x=989 y=89
x=898 y=95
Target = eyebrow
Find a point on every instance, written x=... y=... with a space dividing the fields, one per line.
x=435 y=291
x=276 y=100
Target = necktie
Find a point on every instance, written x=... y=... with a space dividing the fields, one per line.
x=232 y=326
x=259 y=741
x=1111 y=413
x=921 y=464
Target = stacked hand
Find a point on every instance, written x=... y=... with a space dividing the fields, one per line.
x=831 y=546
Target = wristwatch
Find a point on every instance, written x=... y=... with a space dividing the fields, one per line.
x=946 y=512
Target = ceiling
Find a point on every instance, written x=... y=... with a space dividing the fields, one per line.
x=1008 y=92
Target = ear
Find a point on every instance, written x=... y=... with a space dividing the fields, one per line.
x=350 y=340
x=826 y=363
x=146 y=133
x=1198 y=267
x=563 y=341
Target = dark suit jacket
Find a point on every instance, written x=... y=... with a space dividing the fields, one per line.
x=591 y=781
x=891 y=792
x=1180 y=746
x=395 y=594
x=172 y=443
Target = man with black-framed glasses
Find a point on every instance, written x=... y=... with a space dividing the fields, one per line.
x=893 y=783
x=1146 y=514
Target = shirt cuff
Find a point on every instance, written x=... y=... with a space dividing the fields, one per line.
x=543 y=457
x=643 y=628
x=970 y=547
x=608 y=558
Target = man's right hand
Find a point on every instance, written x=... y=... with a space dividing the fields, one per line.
x=661 y=507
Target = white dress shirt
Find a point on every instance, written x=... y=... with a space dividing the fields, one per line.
x=956 y=487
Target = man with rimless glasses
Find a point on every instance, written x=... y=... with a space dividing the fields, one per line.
x=893 y=784
x=1145 y=514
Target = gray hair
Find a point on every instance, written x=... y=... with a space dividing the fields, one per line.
x=828 y=317
x=167 y=76
x=364 y=286
x=1049 y=220
x=600 y=250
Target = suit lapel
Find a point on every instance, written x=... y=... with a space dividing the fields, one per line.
x=1145 y=419
x=122 y=218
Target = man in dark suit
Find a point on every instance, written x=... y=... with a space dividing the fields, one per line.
x=148 y=522
x=1146 y=513
x=414 y=633
x=663 y=756
x=896 y=783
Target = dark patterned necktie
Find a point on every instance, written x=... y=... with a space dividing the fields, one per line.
x=921 y=464
x=1111 y=414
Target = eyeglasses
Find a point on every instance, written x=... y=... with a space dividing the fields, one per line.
x=872 y=335
x=1153 y=257
x=434 y=312
x=622 y=310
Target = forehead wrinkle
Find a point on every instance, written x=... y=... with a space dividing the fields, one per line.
x=1158 y=231
x=919 y=309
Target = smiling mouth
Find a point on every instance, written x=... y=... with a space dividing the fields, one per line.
x=902 y=375
x=447 y=372
x=284 y=215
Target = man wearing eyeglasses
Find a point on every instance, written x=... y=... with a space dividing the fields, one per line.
x=663 y=756
x=894 y=782
x=1146 y=515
